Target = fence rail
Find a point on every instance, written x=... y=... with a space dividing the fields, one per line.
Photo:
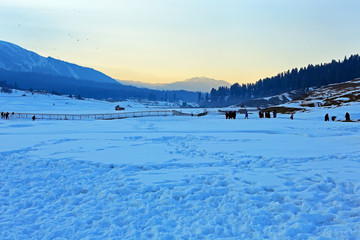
x=105 y=116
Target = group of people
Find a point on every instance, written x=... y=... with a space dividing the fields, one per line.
x=5 y=115
x=267 y=114
x=230 y=115
x=333 y=118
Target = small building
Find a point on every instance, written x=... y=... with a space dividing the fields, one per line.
x=311 y=104
x=118 y=108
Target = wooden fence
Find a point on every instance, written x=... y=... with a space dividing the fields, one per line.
x=106 y=116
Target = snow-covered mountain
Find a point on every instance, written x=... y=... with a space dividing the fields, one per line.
x=202 y=84
x=18 y=59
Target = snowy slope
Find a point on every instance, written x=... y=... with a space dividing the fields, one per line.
x=15 y=58
x=273 y=100
x=27 y=102
x=178 y=177
x=337 y=94
x=333 y=94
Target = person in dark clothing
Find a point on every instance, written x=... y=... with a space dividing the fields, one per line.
x=2 y=115
x=274 y=114
x=347 y=117
x=33 y=118
x=7 y=115
x=246 y=115
x=292 y=116
x=233 y=114
x=260 y=114
x=327 y=118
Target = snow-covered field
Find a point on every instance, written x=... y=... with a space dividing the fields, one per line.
x=177 y=177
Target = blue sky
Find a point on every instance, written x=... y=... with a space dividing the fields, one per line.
x=172 y=40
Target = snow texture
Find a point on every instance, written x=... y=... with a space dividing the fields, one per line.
x=177 y=177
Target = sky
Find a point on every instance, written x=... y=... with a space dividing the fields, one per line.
x=162 y=41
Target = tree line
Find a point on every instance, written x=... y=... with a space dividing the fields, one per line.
x=294 y=79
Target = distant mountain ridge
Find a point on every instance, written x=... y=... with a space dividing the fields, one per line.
x=27 y=70
x=196 y=84
x=15 y=58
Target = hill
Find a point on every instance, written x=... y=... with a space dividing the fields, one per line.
x=292 y=80
x=15 y=58
x=337 y=94
x=26 y=70
x=196 y=84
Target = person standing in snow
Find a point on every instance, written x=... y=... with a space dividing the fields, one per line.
x=274 y=114
x=327 y=118
x=347 y=117
x=33 y=118
x=292 y=116
x=246 y=115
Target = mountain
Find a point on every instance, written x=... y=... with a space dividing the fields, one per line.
x=196 y=84
x=141 y=84
x=15 y=58
x=26 y=70
x=201 y=84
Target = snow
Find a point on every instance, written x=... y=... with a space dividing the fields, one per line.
x=286 y=96
x=283 y=97
x=177 y=177
x=27 y=102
